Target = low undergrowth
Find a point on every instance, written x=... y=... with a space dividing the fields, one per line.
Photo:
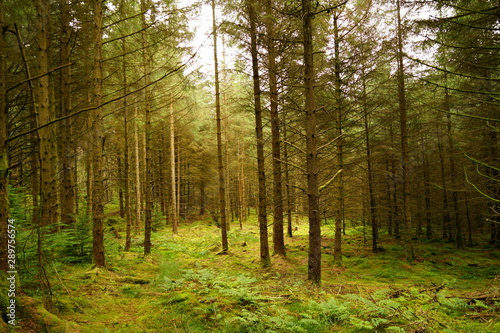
x=188 y=286
x=373 y=293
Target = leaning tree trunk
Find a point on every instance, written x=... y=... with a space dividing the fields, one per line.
x=34 y=155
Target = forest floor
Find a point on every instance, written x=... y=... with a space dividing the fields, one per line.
x=187 y=286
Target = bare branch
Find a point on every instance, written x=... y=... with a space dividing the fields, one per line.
x=97 y=106
x=20 y=83
x=479 y=190
x=294 y=146
x=329 y=181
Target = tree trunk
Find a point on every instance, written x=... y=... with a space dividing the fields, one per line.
x=126 y=173
x=34 y=156
x=314 y=256
x=88 y=179
x=339 y=188
x=67 y=188
x=126 y=157
x=220 y=157
x=264 y=242
x=453 y=175
x=138 y=189
x=405 y=154
x=288 y=193
x=173 y=190
x=469 y=222
x=369 y=170
x=202 y=197
x=227 y=186
x=147 y=106
x=46 y=145
x=46 y=214
x=427 y=193
x=278 y=240
x=447 y=232
x=119 y=171
x=98 y=145
x=162 y=183
x=242 y=202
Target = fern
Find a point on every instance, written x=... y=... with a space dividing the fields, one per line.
x=389 y=304
x=361 y=324
x=368 y=307
x=333 y=311
x=379 y=322
x=244 y=280
x=452 y=304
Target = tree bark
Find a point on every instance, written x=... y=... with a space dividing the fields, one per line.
x=339 y=188
x=242 y=201
x=278 y=240
x=42 y=109
x=447 y=232
x=459 y=240
x=288 y=193
x=220 y=157
x=147 y=106
x=225 y=129
x=126 y=156
x=314 y=255
x=48 y=200
x=264 y=242
x=405 y=154
x=369 y=170
x=173 y=190
x=98 y=145
x=67 y=192
x=427 y=193
x=138 y=189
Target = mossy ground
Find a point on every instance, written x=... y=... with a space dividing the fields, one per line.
x=187 y=286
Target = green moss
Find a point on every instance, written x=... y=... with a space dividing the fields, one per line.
x=194 y=290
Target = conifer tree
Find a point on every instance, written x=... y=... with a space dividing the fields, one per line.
x=314 y=260
x=98 y=143
x=262 y=197
x=220 y=157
